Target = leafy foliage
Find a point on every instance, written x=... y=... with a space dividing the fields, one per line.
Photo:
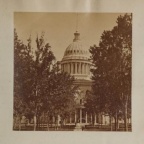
x=112 y=68
x=39 y=85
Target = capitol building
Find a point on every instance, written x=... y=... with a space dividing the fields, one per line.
x=76 y=61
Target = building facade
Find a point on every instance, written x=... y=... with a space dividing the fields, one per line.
x=76 y=61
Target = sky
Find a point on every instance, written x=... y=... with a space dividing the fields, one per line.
x=59 y=28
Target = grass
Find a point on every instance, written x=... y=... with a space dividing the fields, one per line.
x=71 y=128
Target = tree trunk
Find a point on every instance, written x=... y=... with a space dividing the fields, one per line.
x=61 y=122
x=47 y=122
x=28 y=122
x=111 y=123
x=125 y=118
x=117 y=123
x=39 y=122
x=52 y=122
x=19 y=124
x=92 y=119
x=64 y=122
x=35 y=122
x=116 y=117
x=42 y=122
x=55 y=122
x=35 y=114
x=14 y=122
x=101 y=119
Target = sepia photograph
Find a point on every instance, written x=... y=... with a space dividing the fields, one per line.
x=72 y=71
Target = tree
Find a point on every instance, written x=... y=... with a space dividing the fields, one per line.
x=42 y=66
x=55 y=89
x=39 y=86
x=28 y=72
x=112 y=69
x=58 y=94
x=90 y=104
x=22 y=77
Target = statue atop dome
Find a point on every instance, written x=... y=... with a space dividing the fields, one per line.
x=77 y=36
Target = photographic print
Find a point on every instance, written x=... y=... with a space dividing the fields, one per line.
x=72 y=71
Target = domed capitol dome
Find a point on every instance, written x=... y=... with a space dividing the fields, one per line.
x=76 y=59
x=76 y=50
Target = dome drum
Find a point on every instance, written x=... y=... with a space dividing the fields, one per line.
x=66 y=61
x=78 y=69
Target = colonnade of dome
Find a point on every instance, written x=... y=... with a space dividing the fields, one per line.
x=76 y=68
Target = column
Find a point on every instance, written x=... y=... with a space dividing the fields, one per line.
x=103 y=119
x=88 y=69
x=70 y=119
x=64 y=122
x=82 y=68
x=59 y=119
x=79 y=70
x=95 y=119
x=86 y=117
x=75 y=116
x=80 y=115
x=71 y=68
x=62 y=67
x=107 y=119
x=53 y=119
x=76 y=68
x=91 y=118
x=68 y=67
x=65 y=67
x=85 y=68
